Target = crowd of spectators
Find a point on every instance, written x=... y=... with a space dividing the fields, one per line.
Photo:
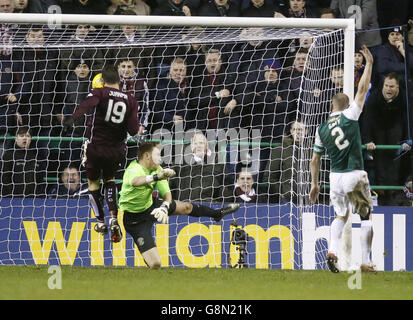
x=251 y=85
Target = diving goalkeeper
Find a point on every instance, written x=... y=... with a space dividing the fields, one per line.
x=141 y=210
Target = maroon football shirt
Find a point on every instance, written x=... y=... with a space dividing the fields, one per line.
x=114 y=115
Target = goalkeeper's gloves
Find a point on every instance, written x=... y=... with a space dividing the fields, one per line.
x=166 y=173
x=161 y=213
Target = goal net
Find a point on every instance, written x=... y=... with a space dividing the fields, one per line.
x=235 y=110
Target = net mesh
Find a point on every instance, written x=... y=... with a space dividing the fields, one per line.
x=236 y=110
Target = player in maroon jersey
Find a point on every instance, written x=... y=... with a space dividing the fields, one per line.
x=114 y=115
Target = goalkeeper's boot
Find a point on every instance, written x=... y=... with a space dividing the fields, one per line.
x=332 y=262
x=226 y=210
x=101 y=228
x=115 y=231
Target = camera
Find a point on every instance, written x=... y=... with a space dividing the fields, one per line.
x=239 y=238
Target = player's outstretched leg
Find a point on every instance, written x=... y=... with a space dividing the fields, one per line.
x=195 y=210
x=231 y=208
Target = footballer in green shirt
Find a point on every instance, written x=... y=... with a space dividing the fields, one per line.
x=142 y=210
x=340 y=137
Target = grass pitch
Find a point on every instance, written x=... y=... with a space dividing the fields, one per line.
x=85 y=283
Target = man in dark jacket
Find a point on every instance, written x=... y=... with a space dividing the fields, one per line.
x=200 y=178
x=219 y=8
x=174 y=8
x=69 y=185
x=39 y=73
x=391 y=57
x=170 y=98
x=260 y=8
x=384 y=123
x=22 y=168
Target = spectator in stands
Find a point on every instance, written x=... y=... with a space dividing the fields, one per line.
x=251 y=59
x=173 y=8
x=143 y=56
x=170 y=98
x=368 y=19
x=82 y=39
x=211 y=98
x=10 y=86
x=328 y=13
x=298 y=9
x=73 y=91
x=390 y=57
x=137 y=87
x=292 y=77
x=284 y=164
x=69 y=184
x=271 y=111
x=200 y=178
x=21 y=6
x=22 y=168
x=139 y=7
x=6 y=6
x=194 y=53
x=358 y=69
x=42 y=6
x=84 y=6
x=244 y=190
x=219 y=8
x=8 y=30
x=304 y=43
x=39 y=73
x=337 y=78
x=260 y=8
x=384 y=123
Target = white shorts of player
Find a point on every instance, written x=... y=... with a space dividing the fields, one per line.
x=343 y=183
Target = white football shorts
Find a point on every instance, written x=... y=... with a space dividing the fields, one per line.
x=343 y=183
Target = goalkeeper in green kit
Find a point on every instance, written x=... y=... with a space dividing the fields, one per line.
x=141 y=210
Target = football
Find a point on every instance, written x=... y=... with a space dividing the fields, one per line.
x=97 y=81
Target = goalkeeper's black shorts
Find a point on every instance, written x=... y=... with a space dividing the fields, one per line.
x=139 y=225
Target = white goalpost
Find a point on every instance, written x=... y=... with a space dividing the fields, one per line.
x=245 y=108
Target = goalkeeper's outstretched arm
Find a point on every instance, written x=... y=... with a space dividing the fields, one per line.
x=144 y=180
x=364 y=83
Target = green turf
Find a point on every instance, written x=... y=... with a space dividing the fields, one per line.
x=31 y=282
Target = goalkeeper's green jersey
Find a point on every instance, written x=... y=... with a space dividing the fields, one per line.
x=139 y=199
x=340 y=136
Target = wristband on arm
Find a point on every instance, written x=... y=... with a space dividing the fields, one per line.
x=151 y=178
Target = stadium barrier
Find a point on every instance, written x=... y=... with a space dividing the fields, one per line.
x=33 y=232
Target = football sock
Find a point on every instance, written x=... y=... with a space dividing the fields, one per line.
x=203 y=211
x=336 y=230
x=111 y=198
x=366 y=238
x=95 y=199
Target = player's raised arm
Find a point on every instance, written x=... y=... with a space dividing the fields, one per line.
x=364 y=83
